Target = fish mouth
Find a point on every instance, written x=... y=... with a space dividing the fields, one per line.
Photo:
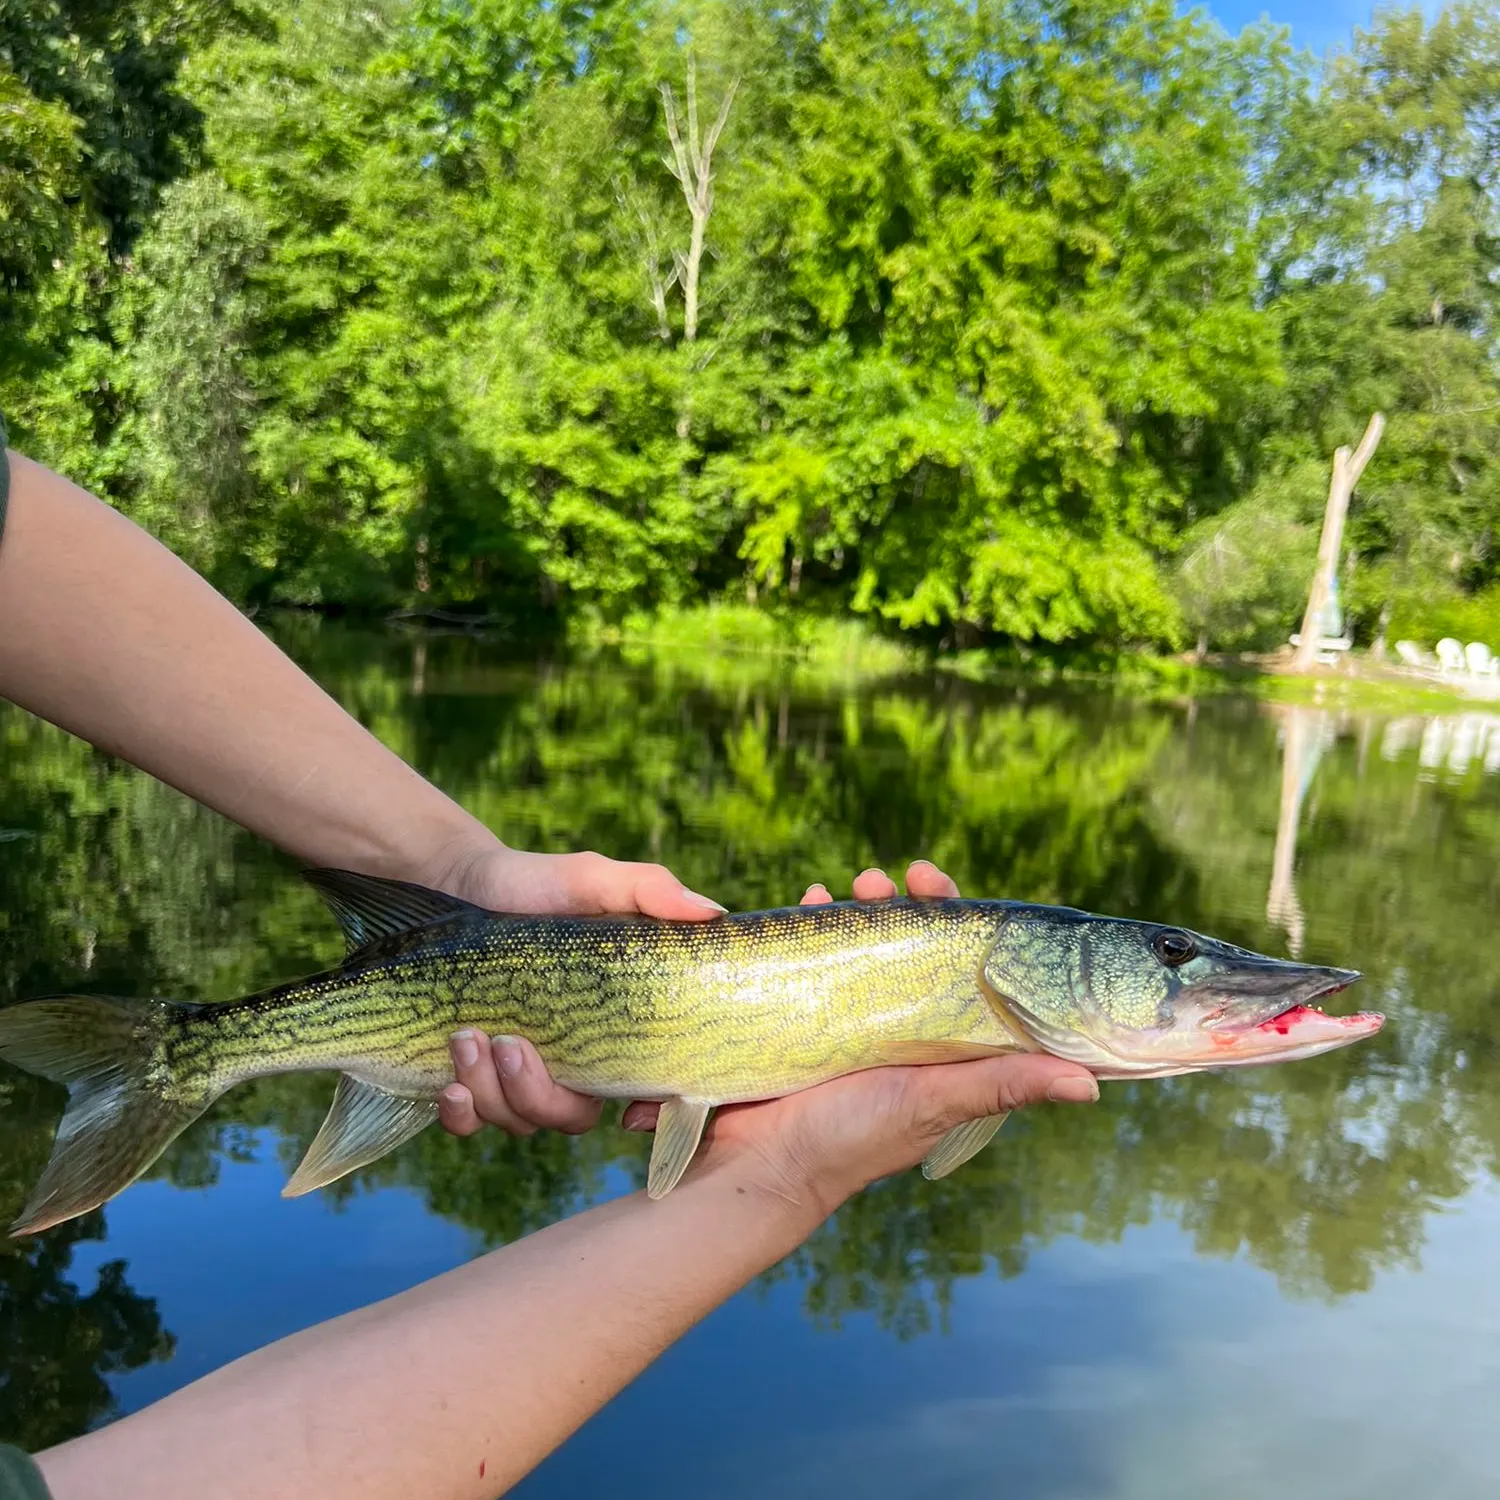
x=1259 y=1006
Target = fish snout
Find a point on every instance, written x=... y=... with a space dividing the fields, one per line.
x=1256 y=993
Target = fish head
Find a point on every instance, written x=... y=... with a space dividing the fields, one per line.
x=1138 y=1000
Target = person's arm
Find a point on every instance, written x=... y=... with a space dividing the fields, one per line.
x=108 y=635
x=456 y=1389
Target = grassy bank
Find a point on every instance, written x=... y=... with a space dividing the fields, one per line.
x=725 y=642
x=807 y=646
x=1358 y=684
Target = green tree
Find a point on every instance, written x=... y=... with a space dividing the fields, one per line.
x=1242 y=573
x=973 y=318
x=194 y=402
x=1388 y=295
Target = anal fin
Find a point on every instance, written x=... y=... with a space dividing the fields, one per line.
x=679 y=1128
x=362 y=1125
x=961 y=1143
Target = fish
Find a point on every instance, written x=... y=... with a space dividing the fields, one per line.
x=745 y=1006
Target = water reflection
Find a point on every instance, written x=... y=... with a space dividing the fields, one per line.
x=1342 y=838
x=58 y=1343
x=1306 y=734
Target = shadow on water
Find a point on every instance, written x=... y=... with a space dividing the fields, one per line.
x=1347 y=839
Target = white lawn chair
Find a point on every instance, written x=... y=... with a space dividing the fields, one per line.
x=1481 y=662
x=1450 y=656
x=1413 y=655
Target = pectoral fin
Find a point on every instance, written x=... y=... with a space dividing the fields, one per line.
x=679 y=1128
x=363 y=1123
x=962 y=1142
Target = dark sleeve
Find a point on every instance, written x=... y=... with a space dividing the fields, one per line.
x=20 y=1479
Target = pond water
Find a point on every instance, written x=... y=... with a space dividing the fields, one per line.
x=1276 y=1283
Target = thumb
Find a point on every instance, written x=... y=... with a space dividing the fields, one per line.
x=609 y=885
x=659 y=893
x=953 y=1093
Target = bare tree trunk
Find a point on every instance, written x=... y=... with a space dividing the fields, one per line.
x=690 y=279
x=423 y=582
x=659 y=302
x=692 y=165
x=1347 y=468
x=650 y=250
x=1378 y=647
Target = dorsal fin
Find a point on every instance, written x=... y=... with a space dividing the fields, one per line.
x=368 y=908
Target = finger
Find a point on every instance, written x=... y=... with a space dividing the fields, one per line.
x=535 y=1096
x=873 y=885
x=923 y=878
x=474 y=1065
x=607 y=885
x=640 y=1116
x=456 y=1111
x=816 y=895
x=949 y=1094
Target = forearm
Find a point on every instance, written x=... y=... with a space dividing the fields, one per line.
x=108 y=635
x=454 y=1390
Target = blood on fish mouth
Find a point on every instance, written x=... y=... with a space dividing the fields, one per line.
x=1362 y=1021
x=1304 y=1012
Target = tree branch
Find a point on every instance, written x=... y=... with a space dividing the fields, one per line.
x=691 y=164
x=720 y=123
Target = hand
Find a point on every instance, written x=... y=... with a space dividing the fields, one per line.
x=826 y=1142
x=814 y=1149
x=501 y=879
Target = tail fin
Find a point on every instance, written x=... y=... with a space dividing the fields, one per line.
x=123 y=1106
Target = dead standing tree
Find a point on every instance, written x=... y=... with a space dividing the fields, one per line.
x=691 y=164
x=1347 y=467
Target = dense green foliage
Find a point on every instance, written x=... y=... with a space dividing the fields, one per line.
x=1006 y=319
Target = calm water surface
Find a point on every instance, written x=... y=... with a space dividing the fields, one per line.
x=1279 y=1283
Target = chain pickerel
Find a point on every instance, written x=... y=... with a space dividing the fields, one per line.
x=746 y=1006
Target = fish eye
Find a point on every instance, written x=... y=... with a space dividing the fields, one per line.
x=1174 y=948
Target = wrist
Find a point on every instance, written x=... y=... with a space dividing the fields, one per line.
x=790 y=1202
x=448 y=856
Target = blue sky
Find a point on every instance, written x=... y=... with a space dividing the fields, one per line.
x=1315 y=23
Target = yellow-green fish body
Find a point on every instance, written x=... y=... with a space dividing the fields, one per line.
x=745 y=1006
